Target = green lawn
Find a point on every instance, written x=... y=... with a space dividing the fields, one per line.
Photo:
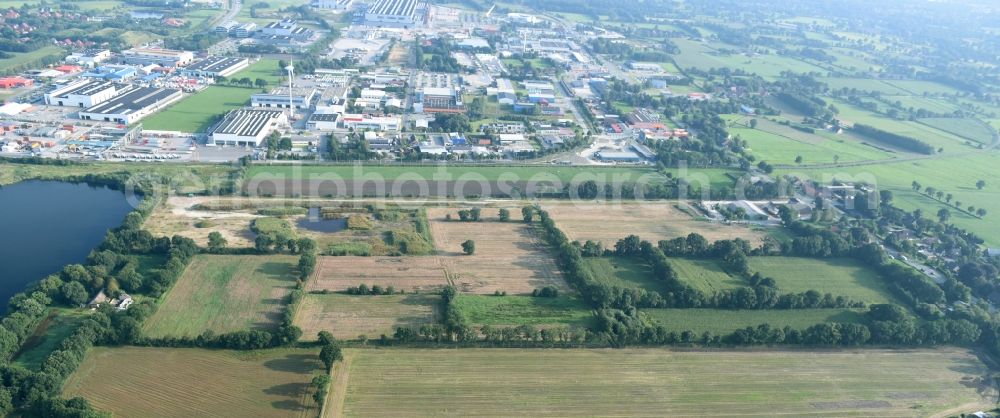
x=624 y=272
x=838 y=276
x=705 y=275
x=453 y=172
x=198 y=112
x=19 y=60
x=722 y=322
x=524 y=310
x=56 y=327
x=225 y=294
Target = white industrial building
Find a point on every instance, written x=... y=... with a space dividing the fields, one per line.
x=323 y=121
x=371 y=123
x=89 y=57
x=82 y=93
x=333 y=5
x=132 y=104
x=158 y=56
x=393 y=13
x=300 y=98
x=247 y=127
x=215 y=66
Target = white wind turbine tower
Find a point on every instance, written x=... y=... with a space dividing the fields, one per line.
x=291 y=77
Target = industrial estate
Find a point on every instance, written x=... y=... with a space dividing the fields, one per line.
x=474 y=208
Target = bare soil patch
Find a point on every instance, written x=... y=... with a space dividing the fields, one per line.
x=509 y=256
x=348 y=317
x=411 y=274
x=651 y=221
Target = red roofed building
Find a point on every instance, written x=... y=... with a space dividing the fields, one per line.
x=69 y=69
x=652 y=126
x=15 y=82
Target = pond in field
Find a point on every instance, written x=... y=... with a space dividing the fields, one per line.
x=45 y=225
x=314 y=221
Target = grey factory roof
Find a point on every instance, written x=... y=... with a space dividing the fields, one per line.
x=246 y=122
x=132 y=100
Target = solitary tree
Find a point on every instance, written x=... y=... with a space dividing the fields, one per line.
x=469 y=247
x=915 y=186
x=753 y=123
x=981 y=212
x=528 y=213
x=798 y=159
x=329 y=355
x=944 y=214
x=326 y=338
x=980 y=184
x=948 y=197
x=216 y=242
x=504 y=215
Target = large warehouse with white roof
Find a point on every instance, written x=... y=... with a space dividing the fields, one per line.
x=247 y=127
x=393 y=13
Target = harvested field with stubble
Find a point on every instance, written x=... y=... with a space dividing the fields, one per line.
x=659 y=382
x=225 y=293
x=411 y=274
x=509 y=255
x=651 y=221
x=348 y=317
x=183 y=382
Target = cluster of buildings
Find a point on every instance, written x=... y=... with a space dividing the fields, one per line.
x=285 y=34
x=405 y=14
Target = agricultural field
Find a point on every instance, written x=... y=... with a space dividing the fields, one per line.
x=863 y=84
x=546 y=312
x=225 y=293
x=657 y=382
x=424 y=274
x=705 y=275
x=190 y=115
x=705 y=56
x=172 y=382
x=509 y=256
x=970 y=129
x=651 y=221
x=779 y=144
x=935 y=137
x=839 y=277
x=722 y=321
x=348 y=317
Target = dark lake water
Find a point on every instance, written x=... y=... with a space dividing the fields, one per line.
x=315 y=222
x=45 y=225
